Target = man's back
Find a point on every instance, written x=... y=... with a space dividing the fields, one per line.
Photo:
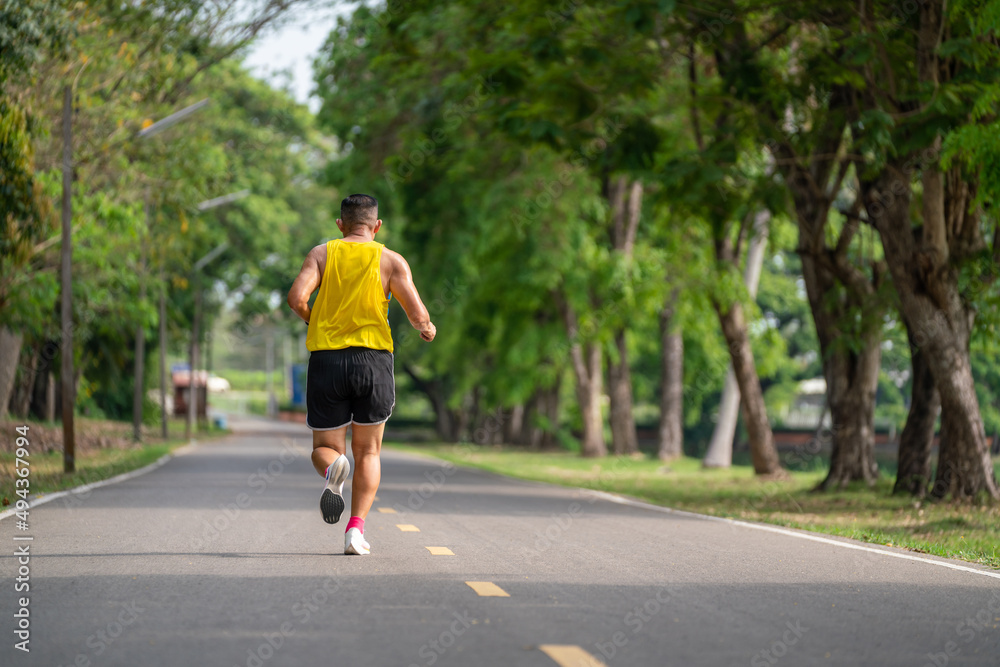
x=396 y=278
x=352 y=308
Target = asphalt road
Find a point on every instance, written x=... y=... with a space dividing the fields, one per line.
x=220 y=557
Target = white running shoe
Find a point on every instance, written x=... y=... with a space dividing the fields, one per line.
x=355 y=543
x=331 y=503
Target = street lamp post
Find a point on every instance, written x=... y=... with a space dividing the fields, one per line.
x=194 y=350
x=140 y=337
x=189 y=427
x=66 y=372
x=140 y=334
x=66 y=280
x=271 y=406
x=192 y=400
x=203 y=206
x=163 y=356
x=172 y=119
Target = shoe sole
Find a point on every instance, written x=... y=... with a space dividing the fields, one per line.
x=331 y=503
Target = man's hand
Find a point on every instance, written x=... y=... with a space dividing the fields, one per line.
x=428 y=332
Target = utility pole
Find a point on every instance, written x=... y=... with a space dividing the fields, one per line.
x=195 y=334
x=271 y=412
x=68 y=386
x=163 y=356
x=286 y=361
x=192 y=406
x=196 y=285
x=209 y=344
x=140 y=334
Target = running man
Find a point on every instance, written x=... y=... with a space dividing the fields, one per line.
x=350 y=379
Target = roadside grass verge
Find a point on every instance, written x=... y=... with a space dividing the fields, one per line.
x=93 y=463
x=965 y=532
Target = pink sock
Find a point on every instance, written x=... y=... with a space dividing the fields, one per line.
x=356 y=522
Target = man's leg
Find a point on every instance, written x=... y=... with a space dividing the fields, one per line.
x=327 y=446
x=328 y=450
x=366 y=443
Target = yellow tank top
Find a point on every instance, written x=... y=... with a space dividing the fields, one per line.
x=351 y=309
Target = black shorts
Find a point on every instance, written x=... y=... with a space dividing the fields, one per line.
x=354 y=384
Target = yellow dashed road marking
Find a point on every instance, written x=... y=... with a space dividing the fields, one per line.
x=387 y=510
x=567 y=655
x=407 y=528
x=487 y=589
x=441 y=551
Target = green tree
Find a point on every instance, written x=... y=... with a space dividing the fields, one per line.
x=27 y=32
x=128 y=67
x=943 y=65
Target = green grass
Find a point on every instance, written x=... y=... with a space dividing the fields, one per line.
x=92 y=465
x=47 y=469
x=966 y=532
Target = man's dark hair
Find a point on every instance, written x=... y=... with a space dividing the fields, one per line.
x=359 y=210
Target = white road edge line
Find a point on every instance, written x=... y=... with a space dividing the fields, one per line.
x=621 y=500
x=48 y=497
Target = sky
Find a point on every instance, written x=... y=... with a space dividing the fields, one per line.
x=290 y=49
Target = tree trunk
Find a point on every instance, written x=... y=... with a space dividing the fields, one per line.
x=50 y=397
x=931 y=302
x=10 y=354
x=588 y=392
x=541 y=418
x=24 y=387
x=40 y=390
x=762 y=449
x=720 y=447
x=442 y=419
x=549 y=411
x=851 y=370
x=587 y=371
x=671 y=431
x=838 y=289
x=445 y=419
x=965 y=468
x=460 y=420
x=513 y=424
x=931 y=291
x=625 y=200
x=624 y=439
x=913 y=475
x=527 y=436
x=852 y=380
x=479 y=431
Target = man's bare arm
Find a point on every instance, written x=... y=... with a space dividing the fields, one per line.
x=401 y=286
x=306 y=283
